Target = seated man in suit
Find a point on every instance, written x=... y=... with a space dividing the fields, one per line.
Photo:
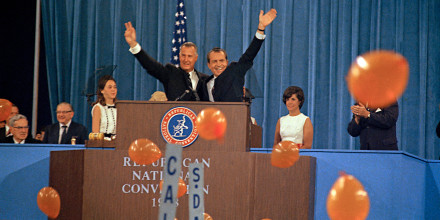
x=376 y=127
x=19 y=128
x=226 y=83
x=63 y=131
x=4 y=131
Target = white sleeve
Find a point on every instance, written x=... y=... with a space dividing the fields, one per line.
x=260 y=36
x=136 y=49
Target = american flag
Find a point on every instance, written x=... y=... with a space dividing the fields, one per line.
x=179 y=34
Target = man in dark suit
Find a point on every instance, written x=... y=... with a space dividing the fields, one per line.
x=181 y=83
x=437 y=130
x=5 y=131
x=226 y=83
x=19 y=128
x=66 y=129
x=376 y=127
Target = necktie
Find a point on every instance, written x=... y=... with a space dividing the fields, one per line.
x=64 y=135
x=188 y=78
x=212 y=91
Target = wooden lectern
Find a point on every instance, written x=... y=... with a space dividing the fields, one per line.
x=106 y=184
x=141 y=119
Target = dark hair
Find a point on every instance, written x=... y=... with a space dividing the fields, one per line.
x=101 y=84
x=216 y=50
x=188 y=44
x=66 y=103
x=294 y=90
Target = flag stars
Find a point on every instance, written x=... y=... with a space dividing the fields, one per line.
x=176 y=58
x=177 y=23
x=181 y=4
x=174 y=49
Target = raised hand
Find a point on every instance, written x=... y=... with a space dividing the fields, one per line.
x=130 y=34
x=266 y=19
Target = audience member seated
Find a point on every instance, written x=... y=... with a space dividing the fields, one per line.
x=66 y=129
x=5 y=131
x=19 y=128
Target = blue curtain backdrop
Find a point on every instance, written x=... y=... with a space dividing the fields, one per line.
x=311 y=44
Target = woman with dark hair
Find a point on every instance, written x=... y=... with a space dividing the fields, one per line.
x=104 y=110
x=295 y=126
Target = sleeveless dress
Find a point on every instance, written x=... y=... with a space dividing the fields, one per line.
x=108 y=118
x=291 y=128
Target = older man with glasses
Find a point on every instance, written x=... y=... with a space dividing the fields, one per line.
x=19 y=128
x=65 y=130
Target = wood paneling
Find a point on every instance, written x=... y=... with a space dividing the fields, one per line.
x=141 y=119
x=240 y=186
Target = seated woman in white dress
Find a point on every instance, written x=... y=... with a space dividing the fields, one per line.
x=104 y=110
x=295 y=126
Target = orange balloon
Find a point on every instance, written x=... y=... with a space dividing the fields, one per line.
x=211 y=124
x=284 y=154
x=378 y=78
x=48 y=201
x=181 y=190
x=144 y=151
x=347 y=199
x=206 y=216
x=5 y=109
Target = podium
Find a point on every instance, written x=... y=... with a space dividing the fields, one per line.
x=142 y=119
x=106 y=184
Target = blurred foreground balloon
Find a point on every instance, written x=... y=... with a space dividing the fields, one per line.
x=181 y=190
x=5 y=109
x=284 y=154
x=206 y=216
x=378 y=78
x=48 y=201
x=143 y=151
x=211 y=124
x=347 y=199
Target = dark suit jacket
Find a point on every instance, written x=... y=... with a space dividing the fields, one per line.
x=228 y=86
x=29 y=140
x=377 y=132
x=2 y=134
x=438 y=130
x=175 y=80
x=52 y=133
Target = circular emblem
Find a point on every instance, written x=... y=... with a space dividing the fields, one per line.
x=178 y=126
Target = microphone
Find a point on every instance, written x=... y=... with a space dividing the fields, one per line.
x=183 y=95
x=196 y=95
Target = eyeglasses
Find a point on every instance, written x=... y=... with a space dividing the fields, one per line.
x=63 y=112
x=24 y=127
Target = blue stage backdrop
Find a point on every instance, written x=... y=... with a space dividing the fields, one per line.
x=311 y=44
